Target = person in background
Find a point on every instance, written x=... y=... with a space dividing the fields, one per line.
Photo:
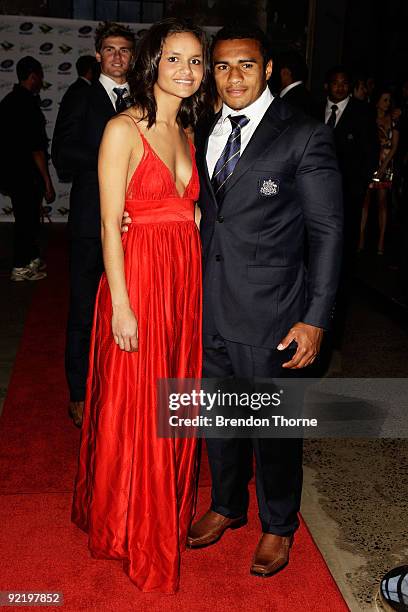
x=370 y=84
x=354 y=138
x=24 y=166
x=81 y=121
x=293 y=75
x=359 y=89
x=382 y=178
x=86 y=68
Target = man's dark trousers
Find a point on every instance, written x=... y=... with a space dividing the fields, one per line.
x=278 y=460
x=26 y=198
x=85 y=270
x=81 y=121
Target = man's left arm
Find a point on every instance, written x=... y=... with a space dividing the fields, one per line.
x=37 y=140
x=318 y=183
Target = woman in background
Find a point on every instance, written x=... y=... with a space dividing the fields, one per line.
x=388 y=135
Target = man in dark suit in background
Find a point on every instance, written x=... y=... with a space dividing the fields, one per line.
x=78 y=132
x=24 y=174
x=86 y=66
x=293 y=76
x=354 y=135
x=269 y=176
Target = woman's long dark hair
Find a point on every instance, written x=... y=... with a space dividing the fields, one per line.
x=145 y=72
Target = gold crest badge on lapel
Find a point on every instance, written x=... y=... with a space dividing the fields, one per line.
x=268 y=187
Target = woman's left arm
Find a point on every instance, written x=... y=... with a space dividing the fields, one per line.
x=390 y=155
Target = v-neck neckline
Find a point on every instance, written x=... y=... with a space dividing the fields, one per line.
x=168 y=169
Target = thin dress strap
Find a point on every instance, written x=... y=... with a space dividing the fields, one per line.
x=134 y=121
x=144 y=143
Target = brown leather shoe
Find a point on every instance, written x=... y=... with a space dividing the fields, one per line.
x=211 y=527
x=271 y=555
x=76 y=411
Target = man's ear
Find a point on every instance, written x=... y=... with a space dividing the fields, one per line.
x=285 y=73
x=268 y=70
x=98 y=57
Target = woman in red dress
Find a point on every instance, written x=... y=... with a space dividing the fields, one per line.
x=135 y=492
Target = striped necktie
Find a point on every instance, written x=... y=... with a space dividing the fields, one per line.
x=229 y=157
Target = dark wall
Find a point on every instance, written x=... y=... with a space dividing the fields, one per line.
x=369 y=36
x=376 y=38
x=328 y=40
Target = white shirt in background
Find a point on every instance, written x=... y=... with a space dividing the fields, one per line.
x=109 y=84
x=340 y=108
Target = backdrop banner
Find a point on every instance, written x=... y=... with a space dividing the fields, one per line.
x=57 y=44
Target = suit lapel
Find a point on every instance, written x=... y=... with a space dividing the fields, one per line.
x=342 y=122
x=271 y=127
x=105 y=100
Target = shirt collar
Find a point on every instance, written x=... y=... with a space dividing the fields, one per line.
x=289 y=87
x=340 y=105
x=254 y=110
x=109 y=83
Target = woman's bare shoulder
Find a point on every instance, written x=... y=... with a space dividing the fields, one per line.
x=124 y=125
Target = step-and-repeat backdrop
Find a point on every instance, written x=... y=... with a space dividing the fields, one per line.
x=57 y=44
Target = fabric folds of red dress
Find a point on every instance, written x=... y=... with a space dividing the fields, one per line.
x=135 y=492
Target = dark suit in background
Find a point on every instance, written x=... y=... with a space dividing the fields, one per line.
x=22 y=125
x=300 y=98
x=77 y=85
x=81 y=120
x=285 y=185
x=355 y=141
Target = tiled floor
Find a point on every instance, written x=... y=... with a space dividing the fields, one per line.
x=355 y=491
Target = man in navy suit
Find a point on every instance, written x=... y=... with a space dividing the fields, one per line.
x=264 y=312
x=268 y=178
x=82 y=118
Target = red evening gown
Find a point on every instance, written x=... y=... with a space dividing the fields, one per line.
x=135 y=492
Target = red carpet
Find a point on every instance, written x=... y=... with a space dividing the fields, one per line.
x=41 y=550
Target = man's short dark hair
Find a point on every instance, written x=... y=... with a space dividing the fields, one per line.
x=293 y=61
x=28 y=65
x=111 y=28
x=85 y=63
x=339 y=69
x=242 y=30
x=358 y=77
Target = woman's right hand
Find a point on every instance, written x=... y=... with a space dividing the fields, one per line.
x=124 y=328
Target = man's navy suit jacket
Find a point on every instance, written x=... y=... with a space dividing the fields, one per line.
x=285 y=186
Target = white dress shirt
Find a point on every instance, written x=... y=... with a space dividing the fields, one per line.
x=289 y=87
x=340 y=108
x=223 y=128
x=109 y=84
